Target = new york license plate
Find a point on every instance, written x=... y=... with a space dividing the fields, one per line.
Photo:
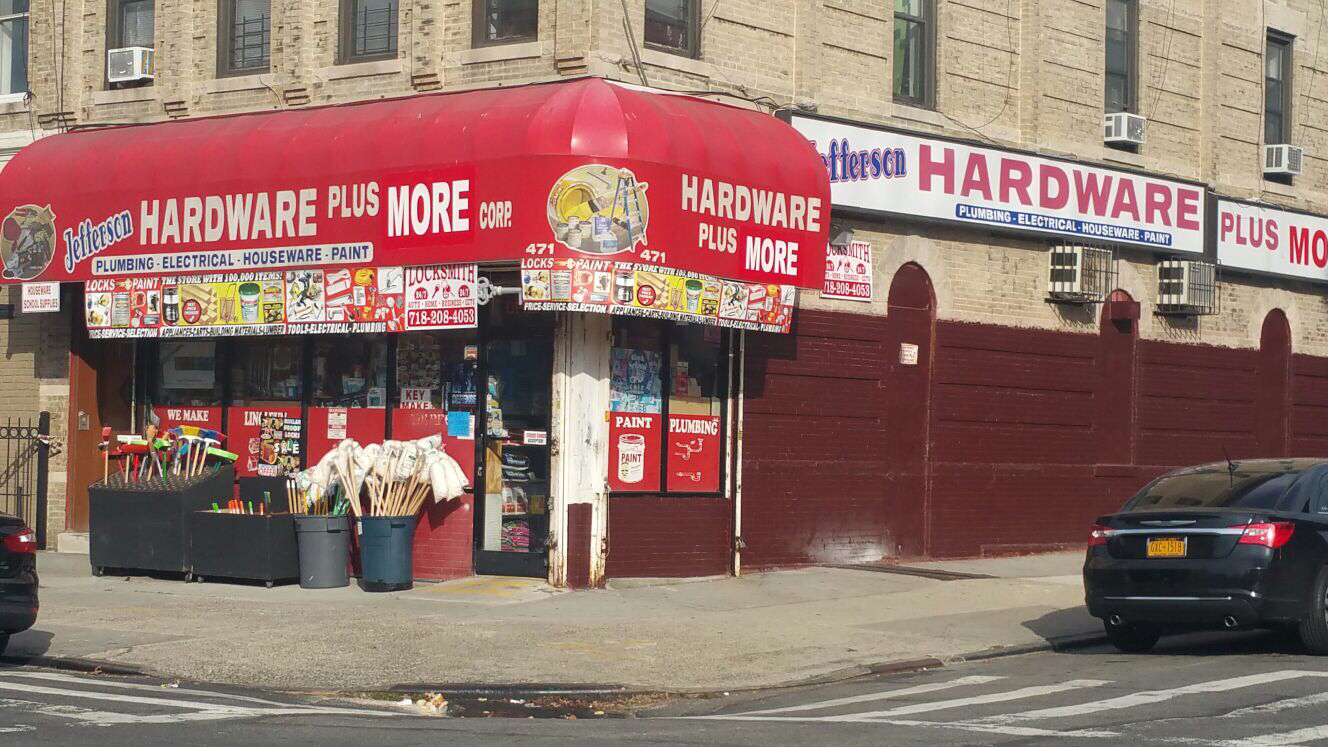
x=1166 y=547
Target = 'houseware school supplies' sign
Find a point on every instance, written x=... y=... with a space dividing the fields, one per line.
x=887 y=171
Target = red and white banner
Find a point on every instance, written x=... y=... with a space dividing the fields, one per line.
x=1267 y=239
x=485 y=175
x=365 y=299
x=920 y=177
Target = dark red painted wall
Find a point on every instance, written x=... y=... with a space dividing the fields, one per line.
x=1030 y=434
x=813 y=442
x=653 y=536
x=578 y=545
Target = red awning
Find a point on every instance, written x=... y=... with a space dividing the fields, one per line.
x=585 y=168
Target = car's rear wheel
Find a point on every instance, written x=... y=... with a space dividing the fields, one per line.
x=1133 y=638
x=1313 y=627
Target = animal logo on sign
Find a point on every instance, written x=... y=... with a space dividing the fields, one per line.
x=598 y=209
x=27 y=241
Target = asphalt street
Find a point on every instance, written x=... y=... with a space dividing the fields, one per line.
x=1204 y=690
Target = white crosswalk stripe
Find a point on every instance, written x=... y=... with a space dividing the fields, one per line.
x=120 y=703
x=888 y=694
x=1001 y=697
x=1151 y=697
x=1042 y=722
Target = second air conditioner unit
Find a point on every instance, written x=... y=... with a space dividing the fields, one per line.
x=1186 y=287
x=1079 y=274
x=129 y=64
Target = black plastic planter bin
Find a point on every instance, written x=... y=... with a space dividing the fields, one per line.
x=247 y=547
x=137 y=529
x=324 y=545
x=386 y=543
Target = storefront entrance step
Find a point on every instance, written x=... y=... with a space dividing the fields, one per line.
x=72 y=542
x=485 y=590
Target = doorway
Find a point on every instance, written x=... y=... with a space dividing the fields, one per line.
x=101 y=394
x=513 y=455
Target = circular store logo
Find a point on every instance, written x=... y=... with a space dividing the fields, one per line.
x=597 y=209
x=27 y=241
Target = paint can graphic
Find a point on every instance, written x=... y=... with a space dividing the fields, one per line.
x=631 y=458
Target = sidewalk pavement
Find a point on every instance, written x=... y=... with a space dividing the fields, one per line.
x=759 y=630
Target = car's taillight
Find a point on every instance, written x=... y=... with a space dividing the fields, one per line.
x=24 y=541
x=1272 y=534
x=1099 y=535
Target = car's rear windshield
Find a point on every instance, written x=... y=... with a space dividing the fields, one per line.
x=1213 y=489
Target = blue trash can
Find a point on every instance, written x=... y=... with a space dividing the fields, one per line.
x=385 y=549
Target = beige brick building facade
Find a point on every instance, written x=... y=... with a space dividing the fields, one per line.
x=1026 y=74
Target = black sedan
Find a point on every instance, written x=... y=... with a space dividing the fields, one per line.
x=18 y=577
x=1228 y=545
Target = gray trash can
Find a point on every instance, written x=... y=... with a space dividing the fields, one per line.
x=324 y=543
x=385 y=548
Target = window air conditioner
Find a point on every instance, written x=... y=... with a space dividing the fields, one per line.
x=130 y=64
x=1079 y=274
x=1282 y=159
x=1123 y=127
x=1186 y=287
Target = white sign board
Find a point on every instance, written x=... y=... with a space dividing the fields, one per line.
x=848 y=272
x=39 y=297
x=893 y=172
x=908 y=354
x=1266 y=239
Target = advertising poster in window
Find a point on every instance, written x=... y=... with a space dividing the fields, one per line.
x=267 y=440
x=634 y=449
x=641 y=290
x=694 y=453
x=635 y=380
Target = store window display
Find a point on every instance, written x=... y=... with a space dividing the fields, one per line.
x=187 y=373
x=668 y=386
x=187 y=388
x=265 y=420
x=350 y=371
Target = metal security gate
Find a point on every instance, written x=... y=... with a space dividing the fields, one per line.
x=24 y=451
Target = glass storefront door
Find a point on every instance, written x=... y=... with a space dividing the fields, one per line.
x=512 y=480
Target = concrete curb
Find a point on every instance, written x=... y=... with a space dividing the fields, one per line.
x=75 y=664
x=605 y=690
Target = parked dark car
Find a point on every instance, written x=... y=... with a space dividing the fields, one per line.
x=1228 y=545
x=18 y=577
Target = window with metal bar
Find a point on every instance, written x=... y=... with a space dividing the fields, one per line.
x=504 y=21
x=915 y=52
x=245 y=36
x=368 y=29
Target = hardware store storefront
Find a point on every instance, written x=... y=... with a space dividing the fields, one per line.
x=554 y=277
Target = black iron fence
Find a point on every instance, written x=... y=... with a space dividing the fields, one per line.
x=24 y=451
